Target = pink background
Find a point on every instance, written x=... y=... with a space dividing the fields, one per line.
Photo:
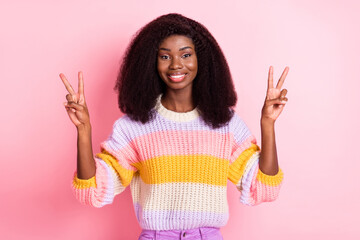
x=317 y=133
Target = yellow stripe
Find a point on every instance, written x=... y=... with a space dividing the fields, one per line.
x=270 y=180
x=184 y=168
x=84 y=183
x=237 y=168
x=125 y=175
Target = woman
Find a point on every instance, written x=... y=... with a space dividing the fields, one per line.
x=180 y=139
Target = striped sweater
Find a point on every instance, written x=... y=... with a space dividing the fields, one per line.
x=178 y=168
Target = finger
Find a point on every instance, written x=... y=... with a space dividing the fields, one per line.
x=72 y=116
x=283 y=93
x=81 y=83
x=282 y=78
x=270 y=78
x=70 y=109
x=277 y=101
x=74 y=105
x=69 y=98
x=67 y=84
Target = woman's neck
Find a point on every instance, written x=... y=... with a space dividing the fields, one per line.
x=178 y=101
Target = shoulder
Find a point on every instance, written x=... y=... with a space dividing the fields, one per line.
x=130 y=128
x=121 y=134
x=236 y=121
x=123 y=120
x=124 y=123
x=239 y=129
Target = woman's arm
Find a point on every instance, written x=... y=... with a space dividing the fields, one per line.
x=85 y=161
x=268 y=162
x=78 y=113
x=273 y=106
x=98 y=179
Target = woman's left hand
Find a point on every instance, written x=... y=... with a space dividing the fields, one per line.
x=275 y=98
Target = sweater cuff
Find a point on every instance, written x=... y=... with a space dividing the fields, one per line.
x=83 y=183
x=237 y=168
x=270 y=180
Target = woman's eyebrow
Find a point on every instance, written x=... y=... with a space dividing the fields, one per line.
x=183 y=48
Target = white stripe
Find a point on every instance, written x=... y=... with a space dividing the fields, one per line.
x=246 y=180
x=179 y=196
x=118 y=187
x=114 y=186
x=175 y=116
x=249 y=165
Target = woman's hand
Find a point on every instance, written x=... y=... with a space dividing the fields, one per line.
x=275 y=98
x=76 y=105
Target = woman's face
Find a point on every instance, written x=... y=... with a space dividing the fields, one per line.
x=177 y=62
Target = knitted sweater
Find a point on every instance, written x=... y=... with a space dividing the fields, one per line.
x=178 y=168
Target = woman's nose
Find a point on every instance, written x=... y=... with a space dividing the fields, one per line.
x=176 y=64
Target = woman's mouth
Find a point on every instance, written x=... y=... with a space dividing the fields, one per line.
x=177 y=77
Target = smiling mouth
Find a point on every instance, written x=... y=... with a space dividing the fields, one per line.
x=177 y=78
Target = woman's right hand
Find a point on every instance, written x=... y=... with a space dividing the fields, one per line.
x=76 y=106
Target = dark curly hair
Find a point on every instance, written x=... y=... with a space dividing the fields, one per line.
x=139 y=84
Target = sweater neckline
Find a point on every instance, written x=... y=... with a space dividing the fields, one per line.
x=175 y=116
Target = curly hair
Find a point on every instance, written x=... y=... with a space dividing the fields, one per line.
x=139 y=84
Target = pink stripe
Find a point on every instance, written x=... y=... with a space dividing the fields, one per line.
x=261 y=192
x=238 y=149
x=94 y=196
x=174 y=142
x=124 y=156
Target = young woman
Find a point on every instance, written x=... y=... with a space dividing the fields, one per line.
x=179 y=140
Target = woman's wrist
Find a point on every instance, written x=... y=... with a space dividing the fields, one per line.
x=267 y=123
x=84 y=129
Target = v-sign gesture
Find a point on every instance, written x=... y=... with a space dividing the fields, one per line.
x=76 y=105
x=275 y=97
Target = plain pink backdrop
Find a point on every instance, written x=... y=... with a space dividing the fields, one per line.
x=317 y=133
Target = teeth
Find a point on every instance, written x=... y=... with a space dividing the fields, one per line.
x=177 y=76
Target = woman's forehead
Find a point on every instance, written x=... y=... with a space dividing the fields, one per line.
x=176 y=41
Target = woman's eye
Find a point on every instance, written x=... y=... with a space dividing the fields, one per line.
x=187 y=55
x=164 y=57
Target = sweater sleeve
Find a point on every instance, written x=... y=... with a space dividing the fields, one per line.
x=254 y=185
x=114 y=170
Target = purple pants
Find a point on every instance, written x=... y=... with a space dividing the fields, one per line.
x=201 y=233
